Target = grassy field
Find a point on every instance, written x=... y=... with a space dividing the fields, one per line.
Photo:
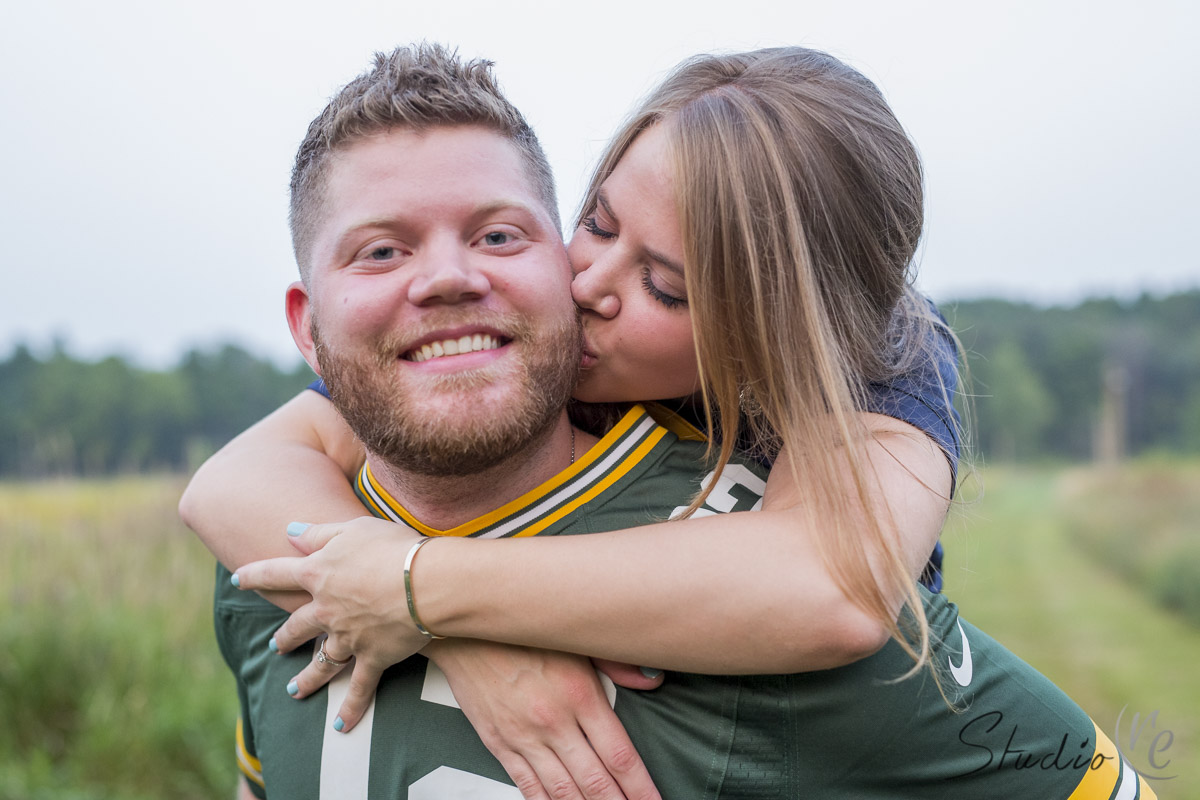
x=111 y=685
x=110 y=681
x=1016 y=568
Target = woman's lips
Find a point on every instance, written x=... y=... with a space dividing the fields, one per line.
x=588 y=357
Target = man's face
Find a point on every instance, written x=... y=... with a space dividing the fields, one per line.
x=438 y=308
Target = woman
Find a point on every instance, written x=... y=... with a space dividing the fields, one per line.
x=756 y=218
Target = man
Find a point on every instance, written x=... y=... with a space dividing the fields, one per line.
x=424 y=227
x=436 y=234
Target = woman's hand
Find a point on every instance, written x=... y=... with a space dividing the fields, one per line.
x=354 y=574
x=545 y=717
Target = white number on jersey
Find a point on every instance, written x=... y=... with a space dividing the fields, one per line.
x=721 y=500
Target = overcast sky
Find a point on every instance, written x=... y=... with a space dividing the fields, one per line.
x=147 y=145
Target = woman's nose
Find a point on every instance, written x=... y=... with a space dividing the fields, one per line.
x=594 y=291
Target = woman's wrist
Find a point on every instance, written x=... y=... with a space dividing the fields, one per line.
x=409 y=594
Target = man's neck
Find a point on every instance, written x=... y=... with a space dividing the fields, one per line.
x=446 y=501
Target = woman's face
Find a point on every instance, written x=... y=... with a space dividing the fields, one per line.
x=628 y=261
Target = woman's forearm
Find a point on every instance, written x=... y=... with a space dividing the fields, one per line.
x=735 y=593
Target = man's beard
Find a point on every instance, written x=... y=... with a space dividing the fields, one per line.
x=448 y=437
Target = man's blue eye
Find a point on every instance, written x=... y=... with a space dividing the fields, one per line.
x=382 y=253
x=496 y=237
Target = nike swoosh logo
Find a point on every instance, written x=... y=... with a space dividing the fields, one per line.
x=962 y=673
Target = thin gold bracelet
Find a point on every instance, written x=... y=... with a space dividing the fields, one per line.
x=408 y=590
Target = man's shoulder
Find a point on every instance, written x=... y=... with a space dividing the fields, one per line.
x=668 y=476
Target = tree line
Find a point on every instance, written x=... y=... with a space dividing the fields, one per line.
x=1039 y=379
x=1038 y=383
x=64 y=416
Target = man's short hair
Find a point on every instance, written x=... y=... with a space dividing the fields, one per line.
x=414 y=88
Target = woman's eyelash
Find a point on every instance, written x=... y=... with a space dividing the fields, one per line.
x=668 y=300
x=589 y=225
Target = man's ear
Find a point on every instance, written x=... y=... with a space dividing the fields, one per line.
x=298 y=307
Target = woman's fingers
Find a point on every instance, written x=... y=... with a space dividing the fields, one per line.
x=318 y=672
x=310 y=538
x=629 y=676
x=364 y=680
x=279 y=574
x=299 y=628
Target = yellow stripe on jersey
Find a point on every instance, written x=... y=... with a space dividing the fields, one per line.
x=1109 y=777
x=613 y=477
x=621 y=449
x=675 y=423
x=250 y=766
x=365 y=476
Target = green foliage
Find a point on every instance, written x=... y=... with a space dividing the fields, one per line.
x=1021 y=412
x=112 y=682
x=63 y=416
x=1036 y=373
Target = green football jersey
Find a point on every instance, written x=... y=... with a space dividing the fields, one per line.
x=994 y=727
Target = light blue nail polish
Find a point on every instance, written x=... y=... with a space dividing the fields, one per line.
x=338 y=724
x=293 y=688
x=272 y=645
x=297 y=528
x=651 y=673
x=235 y=580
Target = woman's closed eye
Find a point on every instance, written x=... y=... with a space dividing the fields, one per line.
x=590 y=225
x=667 y=298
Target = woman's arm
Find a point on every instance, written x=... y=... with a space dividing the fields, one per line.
x=735 y=593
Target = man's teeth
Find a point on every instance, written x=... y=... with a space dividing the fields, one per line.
x=454 y=347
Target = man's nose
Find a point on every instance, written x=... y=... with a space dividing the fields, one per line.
x=594 y=290
x=448 y=274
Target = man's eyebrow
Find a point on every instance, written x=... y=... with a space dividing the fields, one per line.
x=653 y=255
x=477 y=213
x=496 y=206
x=351 y=233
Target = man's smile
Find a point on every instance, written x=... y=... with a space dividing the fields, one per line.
x=453 y=346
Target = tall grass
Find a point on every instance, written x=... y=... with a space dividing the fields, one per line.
x=1016 y=568
x=110 y=681
x=1143 y=522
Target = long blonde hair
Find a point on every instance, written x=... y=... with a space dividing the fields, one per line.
x=800 y=197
